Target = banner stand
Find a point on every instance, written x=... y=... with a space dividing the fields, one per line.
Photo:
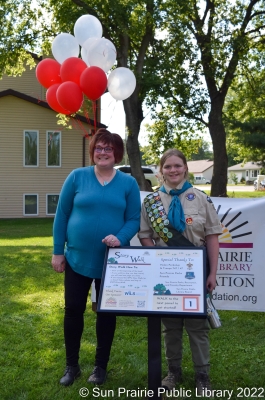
x=154 y=356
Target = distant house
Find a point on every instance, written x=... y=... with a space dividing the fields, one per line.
x=202 y=170
x=36 y=154
x=248 y=171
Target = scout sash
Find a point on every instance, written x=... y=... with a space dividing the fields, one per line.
x=160 y=223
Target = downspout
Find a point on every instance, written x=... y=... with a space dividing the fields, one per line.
x=84 y=152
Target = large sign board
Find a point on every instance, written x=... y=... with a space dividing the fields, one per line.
x=154 y=281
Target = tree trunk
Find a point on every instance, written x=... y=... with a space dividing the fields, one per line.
x=133 y=122
x=218 y=135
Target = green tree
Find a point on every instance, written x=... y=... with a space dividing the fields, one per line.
x=233 y=177
x=207 y=43
x=164 y=135
x=202 y=152
x=129 y=24
x=188 y=72
x=22 y=31
x=244 y=117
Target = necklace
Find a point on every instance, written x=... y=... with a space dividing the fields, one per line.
x=105 y=182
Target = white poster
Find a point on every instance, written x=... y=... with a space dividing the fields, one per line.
x=157 y=280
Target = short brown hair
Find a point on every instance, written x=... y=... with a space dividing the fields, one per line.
x=112 y=139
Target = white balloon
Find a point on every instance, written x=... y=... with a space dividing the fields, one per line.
x=84 y=56
x=87 y=26
x=64 y=46
x=121 y=83
x=84 y=50
x=89 y=42
x=101 y=53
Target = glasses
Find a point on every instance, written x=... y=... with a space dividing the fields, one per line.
x=107 y=149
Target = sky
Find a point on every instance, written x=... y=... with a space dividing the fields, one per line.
x=113 y=116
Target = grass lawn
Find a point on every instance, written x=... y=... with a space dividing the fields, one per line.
x=242 y=195
x=32 y=355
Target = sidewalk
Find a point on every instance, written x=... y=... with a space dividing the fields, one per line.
x=230 y=188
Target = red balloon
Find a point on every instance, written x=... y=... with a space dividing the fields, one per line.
x=48 y=72
x=71 y=69
x=52 y=100
x=93 y=82
x=70 y=96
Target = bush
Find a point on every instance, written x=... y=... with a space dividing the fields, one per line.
x=191 y=178
x=234 y=178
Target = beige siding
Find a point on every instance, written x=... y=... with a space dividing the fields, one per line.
x=27 y=84
x=15 y=180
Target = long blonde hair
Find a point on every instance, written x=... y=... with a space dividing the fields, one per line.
x=173 y=152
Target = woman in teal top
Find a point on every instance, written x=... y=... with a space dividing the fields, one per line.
x=98 y=207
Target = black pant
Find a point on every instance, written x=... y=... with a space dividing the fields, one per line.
x=76 y=291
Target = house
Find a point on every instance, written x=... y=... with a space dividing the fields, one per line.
x=247 y=171
x=202 y=170
x=36 y=154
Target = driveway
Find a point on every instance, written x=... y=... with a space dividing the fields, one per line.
x=230 y=188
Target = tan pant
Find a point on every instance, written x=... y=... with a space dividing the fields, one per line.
x=197 y=329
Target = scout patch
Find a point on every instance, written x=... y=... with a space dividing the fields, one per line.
x=190 y=196
x=189 y=221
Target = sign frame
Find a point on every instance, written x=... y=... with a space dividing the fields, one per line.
x=117 y=296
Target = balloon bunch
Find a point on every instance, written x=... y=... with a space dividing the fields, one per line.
x=68 y=78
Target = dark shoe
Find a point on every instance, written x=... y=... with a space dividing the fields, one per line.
x=203 y=385
x=70 y=374
x=98 y=376
x=173 y=378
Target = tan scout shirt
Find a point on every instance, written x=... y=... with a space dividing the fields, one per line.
x=200 y=215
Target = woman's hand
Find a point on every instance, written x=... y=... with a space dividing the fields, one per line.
x=58 y=263
x=111 y=241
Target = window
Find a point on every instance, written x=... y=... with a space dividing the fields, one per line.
x=51 y=203
x=254 y=173
x=30 y=204
x=31 y=148
x=53 y=143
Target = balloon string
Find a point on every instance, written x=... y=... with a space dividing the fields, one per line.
x=77 y=124
x=88 y=119
x=95 y=114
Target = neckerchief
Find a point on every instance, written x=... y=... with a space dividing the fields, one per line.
x=175 y=213
x=161 y=225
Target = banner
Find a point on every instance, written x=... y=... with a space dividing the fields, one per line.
x=240 y=275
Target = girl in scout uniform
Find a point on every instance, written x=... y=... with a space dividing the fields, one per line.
x=179 y=208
